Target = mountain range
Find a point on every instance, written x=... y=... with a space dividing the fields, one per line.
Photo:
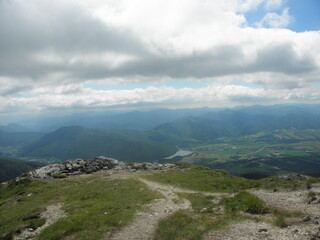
x=146 y=136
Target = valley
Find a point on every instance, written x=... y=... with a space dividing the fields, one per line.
x=262 y=154
x=253 y=142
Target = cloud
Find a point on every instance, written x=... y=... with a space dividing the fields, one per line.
x=273 y=4
x=60 y=46
x=214 y=95
x=275 y=20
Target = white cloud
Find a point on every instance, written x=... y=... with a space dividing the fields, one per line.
x=47 y=58
x=273 y=4
x=275 y=20
x=214 y=95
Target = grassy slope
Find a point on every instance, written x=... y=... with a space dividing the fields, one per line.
x=203 y=179
x=79 y=142
x=94 y=205
x=205 y=215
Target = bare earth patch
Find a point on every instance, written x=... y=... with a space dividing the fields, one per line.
x=250 y=230
x=52 y=214
x=295 y=200
x=290 y=200
x=146 y=222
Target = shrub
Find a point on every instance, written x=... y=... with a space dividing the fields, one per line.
x=246 y=202
x=281 y=222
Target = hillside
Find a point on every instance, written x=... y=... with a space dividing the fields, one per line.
x=18 y=138
x=128 y=202
x=138 y=120
x=254 y=141
x=10 y=169
x=231 y=123
x=79 y=142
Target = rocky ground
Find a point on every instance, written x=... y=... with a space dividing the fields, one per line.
x=52 y=214
x=251 y=230
x=80 y=166
x=145 y=223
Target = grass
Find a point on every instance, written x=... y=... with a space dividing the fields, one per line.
x=311 y=194
x=245 y=202
x=207 y=180
x=94 y=205
x=194 y=224
x=203 y=179
x=271 y=156
x=200 y=203
x=281 y=222
x=184 y=224
x=206 y=214
x=276 y=182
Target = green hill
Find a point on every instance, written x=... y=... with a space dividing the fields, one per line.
x=231 y=123
x=79 y=142
x=10 y=169
x=18 y=138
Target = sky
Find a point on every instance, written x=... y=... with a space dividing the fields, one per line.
x=71 y=55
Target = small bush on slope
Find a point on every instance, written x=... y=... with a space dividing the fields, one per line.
x=245 y=202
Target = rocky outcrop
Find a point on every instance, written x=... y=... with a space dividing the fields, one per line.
x=80 y=166
x=74 y=167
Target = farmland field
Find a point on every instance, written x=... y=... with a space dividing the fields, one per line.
x=261 y=154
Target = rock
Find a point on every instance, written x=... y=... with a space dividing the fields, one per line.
x=203 y=210
x=80 y=166
x=74 y=167
x=306 y=219
x=294 y=176
x=263 y=230
x=295 y=231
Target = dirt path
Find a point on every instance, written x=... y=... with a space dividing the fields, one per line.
x=290 y=200
x=251 y=230
x=145 y=224
x=52 y=214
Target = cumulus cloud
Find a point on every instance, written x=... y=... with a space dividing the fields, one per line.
x=273 y=4
x=214 y=95
x=62 y=45
x=276 y=20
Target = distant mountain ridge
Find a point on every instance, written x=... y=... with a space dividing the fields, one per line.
x=233 y=123
x=151 y=136
x=80 y=142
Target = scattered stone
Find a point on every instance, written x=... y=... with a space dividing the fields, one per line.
x=314 y=199
x=306 y=219
x=294 y=176
x=203 y=210
x=74 y=167
x=295 y=231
